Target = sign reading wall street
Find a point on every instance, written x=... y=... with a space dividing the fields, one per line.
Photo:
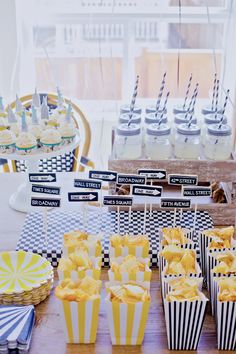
x=45 y=202
x=182 y=179
x=170 y=203
x=83 y=197
x=87 y=183
x=42 y=177
x=149 y=191
x=46 y=189
x=108 y=176
x=196 y=191
x=152 y=174
x=117 y=200
x=131 y=179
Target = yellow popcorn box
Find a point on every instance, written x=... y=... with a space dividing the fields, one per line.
x=127 y=321
x=92 y=245
x=95 y=272
x=130 y=249
x=80 y=320
x=125 y=276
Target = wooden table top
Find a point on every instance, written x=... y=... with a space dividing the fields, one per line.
x=48 y=334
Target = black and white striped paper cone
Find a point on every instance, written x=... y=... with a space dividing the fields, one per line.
x=226 y=325
x=184 y=320
x=204 y=242
x=215 y=289
x=165 y=278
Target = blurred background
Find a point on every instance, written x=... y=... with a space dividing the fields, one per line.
x=93 y=49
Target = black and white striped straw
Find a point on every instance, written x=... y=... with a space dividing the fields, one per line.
x=191 y=101
x=187 y=92
x=214 y=92
x=133 y=100
x=224 y=107
x=193 y=106
x=164 y=107
x=216 y=98
x=160 y=94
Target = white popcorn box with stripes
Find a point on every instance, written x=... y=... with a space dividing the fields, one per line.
x=95 y=272
x=214 y=289
x=184 y=320
x=167 y=287
x=212 y=261
x=80 y=320
x=226 y=325
x=127 y=322
x=167 y=277
x=138 y=251
x=139 y=276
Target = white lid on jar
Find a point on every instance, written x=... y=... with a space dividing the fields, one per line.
x=128 y=130
x=208 y=109
x=180 y=109
x=158 y=130
x=180 y=118
x=125 y=117
x=151 y=108
x=213 y=118
x=185 y=129
x=219 y=130
x=125 y=108
x=150 y=118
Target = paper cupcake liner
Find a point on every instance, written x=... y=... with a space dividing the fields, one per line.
x=214 y=289
x=127 y=322
x=226 y=325
x=80 y=320
x=138 y=251
x=95 y=251
x=165 y=278
x=212 y=262
x=184 y=322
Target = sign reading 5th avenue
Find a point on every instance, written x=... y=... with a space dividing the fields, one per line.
x=170 y=203
x=83 y=197
x=149 y=191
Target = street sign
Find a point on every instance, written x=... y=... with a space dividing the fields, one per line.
x=147 y=191
x=152 y=174
x=45 y=202
x=175 y=203
x=178 y=179
x=42 y=177
x=83 y=197
x=196 y=191
x=87 y=184
x=130 y=179
x=113 y=200
x=107 y=176
x=46 y=189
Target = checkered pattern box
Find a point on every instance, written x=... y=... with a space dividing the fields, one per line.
x=32 y=237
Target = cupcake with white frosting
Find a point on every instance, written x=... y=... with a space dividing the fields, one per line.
x=7 y=141
x=50 y=140
x=25 y=142
x=67 y=129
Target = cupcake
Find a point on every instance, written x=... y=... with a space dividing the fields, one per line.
x=25 y=142
x=7 y=141
x=50 y=140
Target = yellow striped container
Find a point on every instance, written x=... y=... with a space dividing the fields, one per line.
x=127 y=276
x=126 y=322
x=138 y=251
x=93 y=251
x=95 y=272
x=80 y=320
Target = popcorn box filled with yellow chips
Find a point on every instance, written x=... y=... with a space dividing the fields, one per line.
x=129 y=268
x=226 y=313
x=79 y=240
x=79 y=264
x=225 y=268
x=127 y=307
x=175 y=236
x=79 y=308
x=214 y=238
x=184 y=315
x=136 y=245
x=177 y=282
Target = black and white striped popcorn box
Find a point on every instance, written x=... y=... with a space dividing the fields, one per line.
x=162 y=261
x=204 y=242
x=165 y=278
x=167 y=286
x=226 y=325
x=184 y=320
x=212 y=261
x=214 y=289
x=187 y=233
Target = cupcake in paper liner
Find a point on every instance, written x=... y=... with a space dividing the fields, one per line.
x=180 y=262
x=79 y=309
x=226 y=313
x=212 y=239
x=50 y=140
x=7 y=142
x=121 y=246
x=184 y=309
x=129 y=268
x=127 y=306
x=79 y=240
x=79 y=265
x=26 y=143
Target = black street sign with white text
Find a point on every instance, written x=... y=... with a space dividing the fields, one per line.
x=38 y=188
x=178 y=179
x=149 y=191
x=87 y=184
x=42 y=177
x=152 y=174
x=196 y=191
x=107 y=176
x=45 y=202
x=176 y=203
x=117 y=201
x=83 y=197
x=131 y=179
